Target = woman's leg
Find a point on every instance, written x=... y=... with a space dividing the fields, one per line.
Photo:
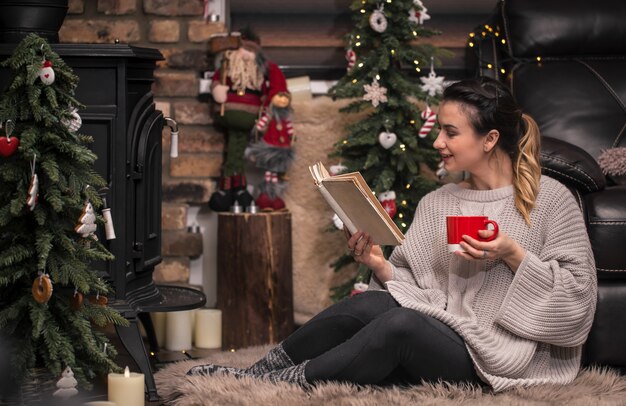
x=423 y=347
x=326 y=330
x=336 y=324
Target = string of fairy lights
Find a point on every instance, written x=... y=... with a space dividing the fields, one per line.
x=492 y=32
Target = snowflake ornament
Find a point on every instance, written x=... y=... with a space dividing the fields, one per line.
x=375 y=93
x=432 y=84
x=418 y=14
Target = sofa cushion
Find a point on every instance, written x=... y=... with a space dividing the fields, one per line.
x=579 y=101
x=560 y=28
x=571 y=165
x=606 y=224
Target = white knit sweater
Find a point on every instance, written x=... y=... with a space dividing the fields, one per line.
x=523 y=328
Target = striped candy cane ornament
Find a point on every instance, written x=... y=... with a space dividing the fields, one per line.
x=430 y=118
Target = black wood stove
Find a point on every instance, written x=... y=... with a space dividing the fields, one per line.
x=115 y=85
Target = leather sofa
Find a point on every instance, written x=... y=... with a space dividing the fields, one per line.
x=566 y=64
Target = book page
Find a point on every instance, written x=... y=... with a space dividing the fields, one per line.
x=362 y=211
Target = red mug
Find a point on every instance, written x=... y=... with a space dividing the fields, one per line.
x=458 y=226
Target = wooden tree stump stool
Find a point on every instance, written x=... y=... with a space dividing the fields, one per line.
x=254 y=277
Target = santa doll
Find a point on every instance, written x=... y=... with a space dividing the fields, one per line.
x=274 y=152
x=243 y=85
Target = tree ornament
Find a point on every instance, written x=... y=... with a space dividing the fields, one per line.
x=388 y=201
x=8 y=144
x=33 y=188
x=375 y=93
x=359 y=287
x=337 y=169
x=86 y=226
x=351 y=58
x=418 y=14
x=432 y=84
x=74 y=122
x=46 y=73
x=387 y=139
x=378 y=21
x=42 y=288
x=441 y=171
x=109 y=229
x=337 y=222
x=430 y=118
x=77 y=300
x=99 y=299
x=67 y=385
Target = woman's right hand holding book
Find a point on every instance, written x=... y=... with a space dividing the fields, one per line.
x=365 y=252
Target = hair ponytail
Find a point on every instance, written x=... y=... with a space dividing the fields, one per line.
x=527 y=170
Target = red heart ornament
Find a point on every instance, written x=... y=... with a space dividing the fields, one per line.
x=8 y=146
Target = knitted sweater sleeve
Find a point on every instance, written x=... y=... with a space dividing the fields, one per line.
x=412 y=262
x=552 y=297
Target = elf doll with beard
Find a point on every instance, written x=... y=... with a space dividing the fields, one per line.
x=244 y=86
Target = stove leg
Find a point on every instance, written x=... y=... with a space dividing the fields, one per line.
x=132 y=341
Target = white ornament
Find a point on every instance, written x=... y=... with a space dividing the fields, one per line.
x=441 y=171
x=337 y=169
x=418 y=14
x=360 y=286
x=74 y=122
x=337 y=222
x=375 y=93
x=87 y=222
x=67 y=385
x=46 y=73
x=33 y=188
x=387 y=139
x=378 y=21
x=432 y=84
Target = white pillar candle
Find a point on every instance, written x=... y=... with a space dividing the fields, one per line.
x=158 y=321
x=126 y=389
x=208 y=328
x=178 y=331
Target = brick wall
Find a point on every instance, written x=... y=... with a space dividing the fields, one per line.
x=177 y=29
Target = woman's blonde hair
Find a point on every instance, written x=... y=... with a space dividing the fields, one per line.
x=526 y=168
x=491 y=106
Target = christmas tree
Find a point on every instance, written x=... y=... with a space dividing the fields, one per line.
x=392 y=145
x=47 y=187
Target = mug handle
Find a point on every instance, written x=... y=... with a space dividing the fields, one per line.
x=495 y=230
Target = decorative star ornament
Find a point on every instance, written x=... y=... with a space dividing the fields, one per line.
x=418 y=14
x=375 y=93
x=432 y=84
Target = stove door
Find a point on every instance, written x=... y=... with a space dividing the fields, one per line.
x=146 y=164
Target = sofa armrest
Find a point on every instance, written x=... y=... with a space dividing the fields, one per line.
x=571 y=165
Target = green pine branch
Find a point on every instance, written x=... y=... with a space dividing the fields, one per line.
x=52 y=334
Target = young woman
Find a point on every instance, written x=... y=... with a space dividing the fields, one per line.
x=512 y=311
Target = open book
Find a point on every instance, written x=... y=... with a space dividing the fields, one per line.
x=351 y=198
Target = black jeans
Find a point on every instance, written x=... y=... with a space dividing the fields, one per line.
x=370 y=339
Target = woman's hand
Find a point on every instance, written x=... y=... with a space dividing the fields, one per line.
x=503 y=247
x=365 y=252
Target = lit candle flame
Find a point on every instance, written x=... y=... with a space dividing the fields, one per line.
x=126 y=373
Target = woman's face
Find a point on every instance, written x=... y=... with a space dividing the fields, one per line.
x=461 y=148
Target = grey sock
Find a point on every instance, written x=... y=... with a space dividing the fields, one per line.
x=274 y=360
x=212 y=369
x=293 y=374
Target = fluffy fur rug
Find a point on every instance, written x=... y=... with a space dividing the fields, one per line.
x=591 y=387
